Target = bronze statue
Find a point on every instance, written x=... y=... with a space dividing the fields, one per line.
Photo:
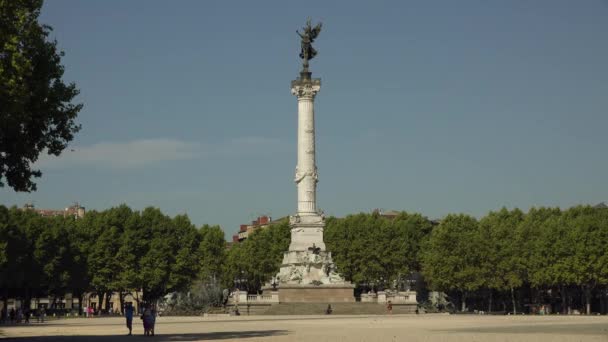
x=314 y=249
x=308 y=37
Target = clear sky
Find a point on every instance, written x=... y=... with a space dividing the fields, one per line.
x=426 y=106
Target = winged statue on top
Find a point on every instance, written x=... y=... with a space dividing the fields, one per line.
x=308 y=36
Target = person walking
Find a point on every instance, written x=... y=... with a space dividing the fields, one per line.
x=152 y=318
x=147 y=319
x=389 y=307
x=129 y=310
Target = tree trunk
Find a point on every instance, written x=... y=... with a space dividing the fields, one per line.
x=108 y=299
x=463 y=304
x=564 y=299
x=588 y=298
x=513 y=300
x=121 y=299
x=137 y=301
x=27 y=299
x=603 y=301
x=80 y=298
x=490 y=304
x=99 y=302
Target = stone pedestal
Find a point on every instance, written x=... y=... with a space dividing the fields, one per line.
x=329 y=293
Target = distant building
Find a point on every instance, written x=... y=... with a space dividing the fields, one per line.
x=247 y=229
x=392 y=214
x=76 y=210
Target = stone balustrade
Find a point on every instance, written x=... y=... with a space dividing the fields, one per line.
x=273 y=298
x=241 y=297
x=382 y=297
x=371 y=297
x=403 y=297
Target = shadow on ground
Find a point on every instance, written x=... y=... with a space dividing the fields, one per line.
x=595 y=329
x=223 y=335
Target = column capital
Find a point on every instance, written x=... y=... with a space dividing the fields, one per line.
x=305 y=88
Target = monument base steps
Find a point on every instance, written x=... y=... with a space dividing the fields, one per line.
x=316 y=294
x=356 y=308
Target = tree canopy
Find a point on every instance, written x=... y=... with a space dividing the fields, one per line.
x=514 y=259
x=116 y=250
x=36 y=110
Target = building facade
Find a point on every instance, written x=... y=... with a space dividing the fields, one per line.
x=246 y=229
x=75 y=210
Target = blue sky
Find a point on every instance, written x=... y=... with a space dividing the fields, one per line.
x=426 y=106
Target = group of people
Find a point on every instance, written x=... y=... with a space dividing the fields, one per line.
x=148 y=317
x=21 y=315
x=16 y=316
x=89 y=311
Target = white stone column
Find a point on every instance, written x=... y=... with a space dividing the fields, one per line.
x=308 y=273
x=306 y=170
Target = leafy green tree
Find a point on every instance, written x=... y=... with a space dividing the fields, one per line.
x=29 y=276
x=451 y=258
x=170 y=262
x=4 y=228
x=549 y=246
x=370 y=248
x=186 y=250
x=340 y=237
x=106 y=230
x=133 y=246
x=235 y=263
x=13 y=246
x=361 y=247
x=78 y=273
x=212 y=250
x=257 y=259
x=588 y=236
x=53 y=253
x=502 y=266
x=36 y=113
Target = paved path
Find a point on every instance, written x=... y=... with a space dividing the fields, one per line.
x=324 y=328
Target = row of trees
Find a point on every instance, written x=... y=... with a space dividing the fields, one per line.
x=542 y=252
x=115 y=251
x=506 y=257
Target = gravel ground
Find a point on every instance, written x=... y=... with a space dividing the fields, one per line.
x=323 y=328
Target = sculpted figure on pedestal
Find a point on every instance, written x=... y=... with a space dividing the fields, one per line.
x=308 y=35
x=293 y=275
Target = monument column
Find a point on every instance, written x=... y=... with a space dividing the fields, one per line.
x=308 y=273
x=306 y=170
x=307 y=225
